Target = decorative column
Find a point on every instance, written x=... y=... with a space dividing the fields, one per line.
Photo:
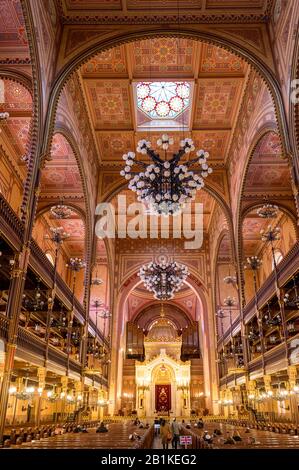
x=2 y=361
x=58 y=235
x=18 y=276
x=251 y=394
x=269 y=392
x=79 y=392
x=41 y=374
x=292 y=373
x=63 y=394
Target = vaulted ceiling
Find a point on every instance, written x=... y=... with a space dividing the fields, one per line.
x=218 y=78
x=17 y=101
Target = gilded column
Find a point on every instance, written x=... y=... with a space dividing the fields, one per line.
x=41 y=374
x=18 y=275
x=292 y=373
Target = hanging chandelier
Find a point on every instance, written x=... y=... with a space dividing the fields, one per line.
x=166 y=184
x=4 y=116
x=267 y=211
x=58 y=235
x=163 y=279
x=35 y=303
x=60 y=211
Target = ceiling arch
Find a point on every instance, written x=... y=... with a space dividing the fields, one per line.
x=106 y=44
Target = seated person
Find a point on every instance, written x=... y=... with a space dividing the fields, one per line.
x=200 y=423
x=229 y=439
x=236 y=436
x=141 y=425
x=217 y=432
x=102 y=427
x=134 y=437
x=251 y=440
x=207 y=437
x=84 y=429
x=136 y=422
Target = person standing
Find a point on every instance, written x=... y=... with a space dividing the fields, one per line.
x=165 y=433
x=175 y=428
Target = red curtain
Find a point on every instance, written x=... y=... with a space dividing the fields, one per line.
x=163 y=398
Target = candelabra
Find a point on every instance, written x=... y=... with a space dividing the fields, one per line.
x=36 y=303
x=270 y=235
x=57 y=236
x=292 y=301
x=230 y=302
x=230 y=280
x=269 y=320
x=75 y=265
x=253 y=263
x=96 y=281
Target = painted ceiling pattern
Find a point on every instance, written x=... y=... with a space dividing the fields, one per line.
x=61 y=181
x=61 y=174
x=268 y=175
x=13 y=37
x=217 y=77
x=17 y=101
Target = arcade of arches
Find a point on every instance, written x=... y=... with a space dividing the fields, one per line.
x=80 y=336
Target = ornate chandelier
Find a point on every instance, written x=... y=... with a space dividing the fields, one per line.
x=267 y=211
x=60 y=211
x=166 y=184
x=163 y=279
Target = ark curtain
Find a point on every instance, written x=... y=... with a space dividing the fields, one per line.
x=163 y=398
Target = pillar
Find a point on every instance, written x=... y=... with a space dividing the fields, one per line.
x=15 y=298
x=292 y=374
x=100 y=407
x=64 y=384
x=41 y=374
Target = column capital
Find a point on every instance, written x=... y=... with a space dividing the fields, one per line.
x=292 y=373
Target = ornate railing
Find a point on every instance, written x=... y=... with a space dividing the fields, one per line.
x=285 y=269
x=4 y=323
x=10 y=225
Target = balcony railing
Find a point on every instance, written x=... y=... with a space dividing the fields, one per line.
x=10 y=225
x=30 y=344
x=285 y=269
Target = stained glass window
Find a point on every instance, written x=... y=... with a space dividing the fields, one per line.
x=163 y=100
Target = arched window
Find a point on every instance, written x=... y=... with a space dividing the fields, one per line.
x=50 y=258
x=277 y=257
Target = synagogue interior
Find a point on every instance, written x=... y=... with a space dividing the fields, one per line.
x=149 y=207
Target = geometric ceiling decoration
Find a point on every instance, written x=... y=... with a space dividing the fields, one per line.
x=123 y=91
x=268 y=173
x=162 y=104
x=17 y=102
x=61 y=174
x=13 y=43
